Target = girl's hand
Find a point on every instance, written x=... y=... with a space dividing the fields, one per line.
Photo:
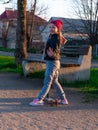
x=50 y=52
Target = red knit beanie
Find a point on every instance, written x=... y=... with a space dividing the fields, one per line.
x=57 y=23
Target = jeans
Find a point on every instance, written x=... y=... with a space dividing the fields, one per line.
x=51 y=78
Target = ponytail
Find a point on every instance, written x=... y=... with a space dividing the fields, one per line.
x=60 y=37
x=62 y=40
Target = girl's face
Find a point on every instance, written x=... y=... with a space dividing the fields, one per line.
x=53 y=28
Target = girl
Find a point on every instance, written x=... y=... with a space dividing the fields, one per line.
x=52 y=57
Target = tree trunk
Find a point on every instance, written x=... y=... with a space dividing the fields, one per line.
x=21 y=42
x=5 y=34
x=32 y=23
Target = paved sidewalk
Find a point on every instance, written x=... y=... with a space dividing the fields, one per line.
x=15 y=114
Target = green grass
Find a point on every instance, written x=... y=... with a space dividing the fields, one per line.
x=6 y=49
x=32 y=50
x=37 y=74
x=7 y=64
x=90 y=87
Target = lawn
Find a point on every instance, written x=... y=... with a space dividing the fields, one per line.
x=6 y=49
x=7 y=64
x=90 y=87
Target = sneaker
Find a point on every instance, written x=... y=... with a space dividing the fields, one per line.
x=64 y=102
x=36 y=102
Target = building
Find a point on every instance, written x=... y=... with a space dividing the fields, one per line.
x=8 y=24
x=73 y=30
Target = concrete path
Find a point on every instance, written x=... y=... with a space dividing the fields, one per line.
x=15 y=114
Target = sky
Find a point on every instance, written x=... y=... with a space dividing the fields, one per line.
x=56 y=8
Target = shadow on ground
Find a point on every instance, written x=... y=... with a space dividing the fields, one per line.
x=16 y=92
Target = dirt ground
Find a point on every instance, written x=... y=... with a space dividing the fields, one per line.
x=15 y=114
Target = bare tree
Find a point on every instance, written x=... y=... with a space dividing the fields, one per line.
x=87 y=11
x=42 y=10
x=6 y=1
x=35 y=9
x=21 y=33
x=5 y=31
x=6 y=27
x=21 y=43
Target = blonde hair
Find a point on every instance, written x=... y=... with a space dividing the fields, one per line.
x=60 y=36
